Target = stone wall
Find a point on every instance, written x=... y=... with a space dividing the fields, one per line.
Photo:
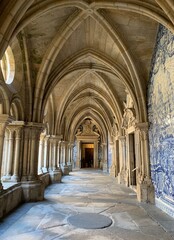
x=161 y=120
x=45 y=178
x=10 y=199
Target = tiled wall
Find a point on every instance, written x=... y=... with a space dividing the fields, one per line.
x=161 y=119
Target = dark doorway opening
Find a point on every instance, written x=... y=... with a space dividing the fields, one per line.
x=132 y=160
x=87 y=158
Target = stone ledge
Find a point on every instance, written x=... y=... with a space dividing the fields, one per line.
x=33 y=191
x=10 y=199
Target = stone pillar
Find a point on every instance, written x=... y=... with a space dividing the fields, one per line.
x=41 y=153
x=56 y=173
x=58 y=157
x=78 y=160
x=59 y=154
x=5 y=154
x=17 y=152
x=45 y=165
x=145 y=188
x=54 y=155
x=25 y=157
x=122 y=175
x=4 y=120
x=113 y=166
x=65 y=168
x=69 y=157
x=33 y=188
x=10 y=153
x=96 y=154
x=50 y=162
x=105 y=162
x=138 y=153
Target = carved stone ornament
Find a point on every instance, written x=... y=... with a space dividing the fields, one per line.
x=87 y=129
x=129 y=118
x=114 y=132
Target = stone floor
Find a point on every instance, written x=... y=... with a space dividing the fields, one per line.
x=87 y=192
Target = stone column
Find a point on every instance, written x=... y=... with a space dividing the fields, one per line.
x=45 y=165
x=56 y=172
x=61 y=155
x=113 y=166
x=4 y=120
x=78 y=160
x=96 y=154
x=69 y=157
x=50 y=162
x=54 y=155
x=65 y=168
x=17 y=152
x=145 y=188
x=105 y=163
x=33 y=188
x=122 y=140
x=5 y=155
x=41 y=155
x=10 y=153
x=25 y=157
x=58 y=154
x=122 y=174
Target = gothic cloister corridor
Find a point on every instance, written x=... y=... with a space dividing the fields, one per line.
x=87 y=191
x=86 y=84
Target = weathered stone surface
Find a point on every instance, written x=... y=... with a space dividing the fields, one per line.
x=53 y=218
x=90 y=221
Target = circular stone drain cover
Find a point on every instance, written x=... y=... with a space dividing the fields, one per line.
x=90 y=221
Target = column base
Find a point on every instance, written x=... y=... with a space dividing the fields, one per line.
x=145 y=191
x=6 y=178
x=33 y=191
x=123 y=177
x=15 y=178
x=70 y=167
x=56 y=176
x=105 y=167
x=101 y=165
x=44 y=170
x=112 y=171
x=78 y=164
x=65 y=170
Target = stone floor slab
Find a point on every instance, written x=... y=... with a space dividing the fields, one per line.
x=87 y=192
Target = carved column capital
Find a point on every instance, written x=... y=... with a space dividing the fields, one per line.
x=4 y=121
x=143 y=130
x=144 y=126
x=17 y=127
x=122 y=139
x=33 y=129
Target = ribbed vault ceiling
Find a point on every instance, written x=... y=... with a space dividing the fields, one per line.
x=84 y=55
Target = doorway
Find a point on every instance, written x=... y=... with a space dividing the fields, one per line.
x=87 y=155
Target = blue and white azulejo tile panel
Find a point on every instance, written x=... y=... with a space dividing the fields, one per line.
x=161 y=119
